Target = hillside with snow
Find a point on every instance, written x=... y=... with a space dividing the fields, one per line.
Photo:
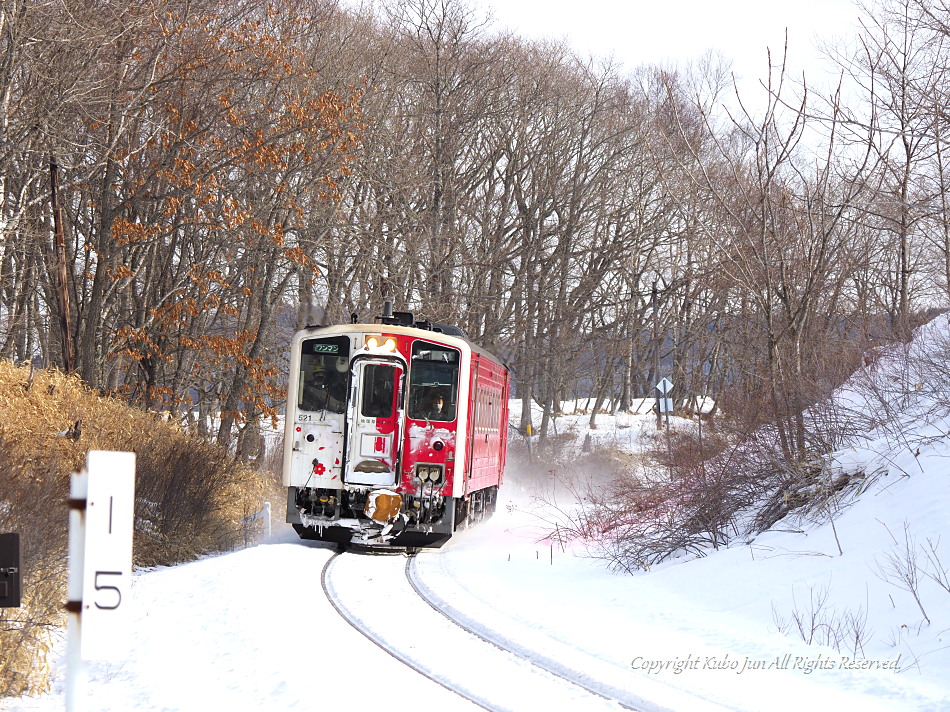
x=727 y=630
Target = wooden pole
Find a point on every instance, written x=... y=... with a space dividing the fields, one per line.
x=65 y=329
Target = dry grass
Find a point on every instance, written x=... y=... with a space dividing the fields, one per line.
x=191 y=499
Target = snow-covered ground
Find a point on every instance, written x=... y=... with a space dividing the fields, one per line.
x=252 y=630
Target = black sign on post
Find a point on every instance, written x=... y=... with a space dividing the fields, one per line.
x=10 y=572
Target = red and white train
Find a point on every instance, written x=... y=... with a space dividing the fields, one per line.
x=395 y=432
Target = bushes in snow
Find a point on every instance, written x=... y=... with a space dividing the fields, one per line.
x=191 y=498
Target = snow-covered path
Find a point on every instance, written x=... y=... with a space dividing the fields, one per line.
x=693 y=615
x=378 y=596
x=252 y=630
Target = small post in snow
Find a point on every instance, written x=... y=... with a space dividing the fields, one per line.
x=664 y=404
x=101 y=508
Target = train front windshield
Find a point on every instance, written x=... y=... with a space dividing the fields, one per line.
x=379 y=385
x=323 y=380
x=433 y=379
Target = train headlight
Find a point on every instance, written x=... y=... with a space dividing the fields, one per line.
x=372 y=344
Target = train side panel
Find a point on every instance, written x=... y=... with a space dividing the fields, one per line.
x=487 y=428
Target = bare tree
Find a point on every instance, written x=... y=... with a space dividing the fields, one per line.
x=894 y=83
x=781 y=230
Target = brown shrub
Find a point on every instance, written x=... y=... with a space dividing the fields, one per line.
x=31 y=503
x=191 y=498
x=684 y=498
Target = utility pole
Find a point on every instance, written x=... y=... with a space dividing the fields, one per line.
x=66 y=334
x=656 y=349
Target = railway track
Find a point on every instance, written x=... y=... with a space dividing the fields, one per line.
x=389 y=603
x=547 y=663
x=335 y=598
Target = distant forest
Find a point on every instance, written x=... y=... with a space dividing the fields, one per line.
x=230 y=170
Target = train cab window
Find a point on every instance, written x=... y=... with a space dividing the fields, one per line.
x=433 y=379
x=324 y=375
x=379 y=384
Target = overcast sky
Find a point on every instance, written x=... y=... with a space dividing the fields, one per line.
x=639 y=32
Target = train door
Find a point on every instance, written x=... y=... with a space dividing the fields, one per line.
x=376 y=423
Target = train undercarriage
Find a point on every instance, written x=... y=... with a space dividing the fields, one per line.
x=383 y=517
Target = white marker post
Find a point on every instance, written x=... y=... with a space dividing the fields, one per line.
x=101 y=509
x=664 y=404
